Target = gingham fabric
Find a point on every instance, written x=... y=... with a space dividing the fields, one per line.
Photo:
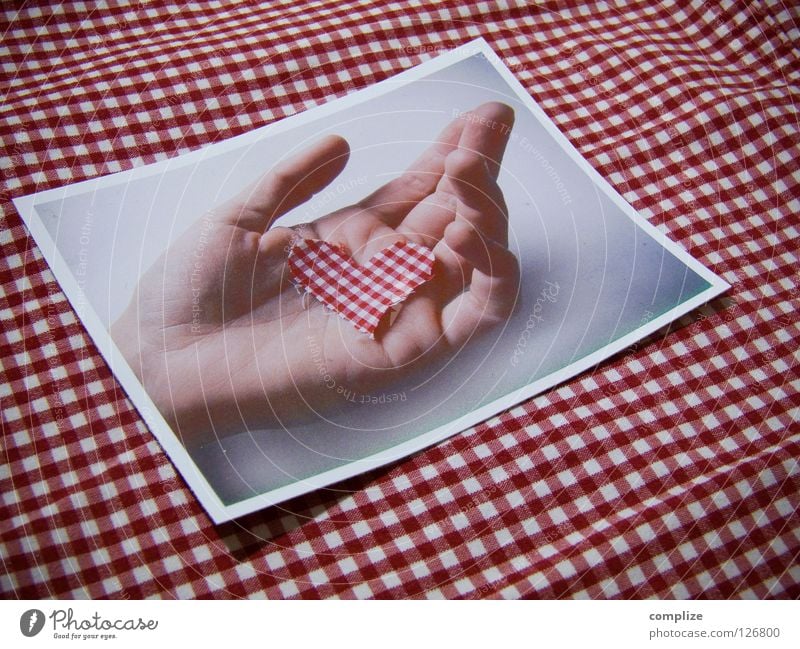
x=667 y=471
x=360 y=294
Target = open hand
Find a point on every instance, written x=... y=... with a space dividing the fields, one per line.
x=222 y=340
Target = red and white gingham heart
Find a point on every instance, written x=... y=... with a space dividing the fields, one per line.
x=360 y=294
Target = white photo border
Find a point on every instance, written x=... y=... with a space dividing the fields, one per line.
x=210 y=500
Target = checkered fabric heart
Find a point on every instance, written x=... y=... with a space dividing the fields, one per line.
x=360 y=294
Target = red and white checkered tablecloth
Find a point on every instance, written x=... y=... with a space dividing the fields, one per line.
x=668 y=471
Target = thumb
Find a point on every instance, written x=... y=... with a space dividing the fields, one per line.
x=288 y=184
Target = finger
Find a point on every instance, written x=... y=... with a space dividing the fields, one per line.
x=381 y=236
x=468 y=177
x=472 y=196
x=270 y=273
x=416 y=329
x=453 y=272
x=425 y=224
x=493 y=289
x=288 y=184
x=275 y=243
x=396 y=198
x=468 y=189
x=486 y=132
x=358 y=232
